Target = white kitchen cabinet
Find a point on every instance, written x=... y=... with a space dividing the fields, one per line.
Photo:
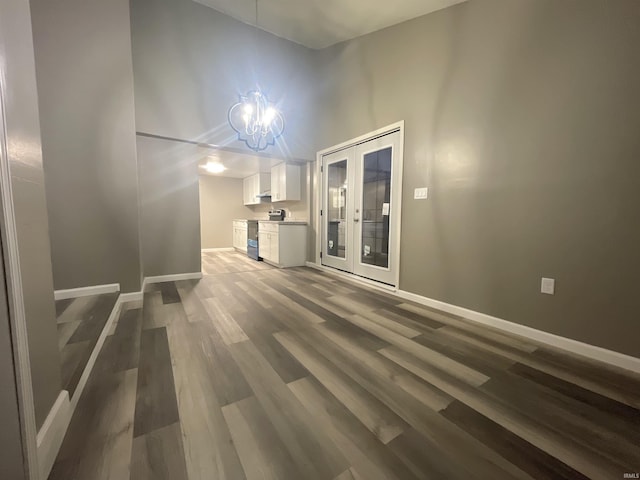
x=285 y=182
x=283 y=244
x=254 y=186
x=240 y=235
x=275 y=247
x=247 y=191
x=264 y=245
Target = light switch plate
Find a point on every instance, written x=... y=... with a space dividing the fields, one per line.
x=548 y=286
x=421 y=193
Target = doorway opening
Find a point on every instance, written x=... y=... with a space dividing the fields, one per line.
x=359 y=205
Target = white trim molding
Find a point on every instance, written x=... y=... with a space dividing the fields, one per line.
x=51 y=434
x=174 y=277
x=593 y=352
x=574 y=346
x=352 y=277
x=138 y=296
x=318 y=184
x=15 y=299
x=130 y=297
x=171 y=278
x=86 y=291
x=94 y=354
x=221 y=249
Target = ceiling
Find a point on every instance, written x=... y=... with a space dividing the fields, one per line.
x=238 y=165
x=321 y=23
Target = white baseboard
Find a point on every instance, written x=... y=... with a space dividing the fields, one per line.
x=137 y=296
x=131 y=297
x=351 y=277
x=221 y=249
x=171 y=278
x=86 y=291
x=574 y=346
x=94 y=354
x=51 y=434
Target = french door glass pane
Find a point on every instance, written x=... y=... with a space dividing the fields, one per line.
x=337 y=209
x=376 y=198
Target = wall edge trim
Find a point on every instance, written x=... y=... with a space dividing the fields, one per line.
x=172 y=278
x=221 y=249
x=352 y=277
x=94 y=354
x=587 y=350
x=15 y=301
x=131 y=297
x=577 y=347
x=86 y=291
x=51 y=434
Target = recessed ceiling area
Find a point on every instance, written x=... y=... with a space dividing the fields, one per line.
x=237 y=165
x=319 y=24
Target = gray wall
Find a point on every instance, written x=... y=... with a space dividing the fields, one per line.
x=220 y=202
x=190 y=64
x=85 y=86
x=27 y=183
x=169 y=207
x=522 y=119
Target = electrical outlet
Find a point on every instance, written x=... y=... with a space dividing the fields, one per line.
x=421 y=193
x=548 y=286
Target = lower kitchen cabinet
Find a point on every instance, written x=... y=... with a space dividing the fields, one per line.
x=240 y=235
x=283 y=244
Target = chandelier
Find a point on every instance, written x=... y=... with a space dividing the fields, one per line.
x=257 y=122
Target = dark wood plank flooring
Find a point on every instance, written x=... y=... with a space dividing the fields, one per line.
x=80 y=323
x=259 y=373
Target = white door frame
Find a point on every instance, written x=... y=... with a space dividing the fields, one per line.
x=17 y=317
x=346 y=264
x=387 y=274
x=399 y=127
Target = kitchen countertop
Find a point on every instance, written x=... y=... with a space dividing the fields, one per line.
x=284 y=222
x=279 y=222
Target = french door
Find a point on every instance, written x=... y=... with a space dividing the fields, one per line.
x=360 y=214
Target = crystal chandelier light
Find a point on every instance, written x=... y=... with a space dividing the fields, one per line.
x=257 y=122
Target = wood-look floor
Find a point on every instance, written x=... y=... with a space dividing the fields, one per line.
x=215 y=263
x=260 y=373
x=80 y=322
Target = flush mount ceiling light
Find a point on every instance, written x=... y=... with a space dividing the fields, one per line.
x=214 y=167
x=257 y=122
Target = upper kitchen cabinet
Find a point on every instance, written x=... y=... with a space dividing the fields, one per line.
x=285 y=182
x=256 y=187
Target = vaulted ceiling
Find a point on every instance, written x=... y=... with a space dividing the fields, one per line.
x=320 y=23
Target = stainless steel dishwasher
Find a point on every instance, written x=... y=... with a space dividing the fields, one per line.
x=252 y=239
